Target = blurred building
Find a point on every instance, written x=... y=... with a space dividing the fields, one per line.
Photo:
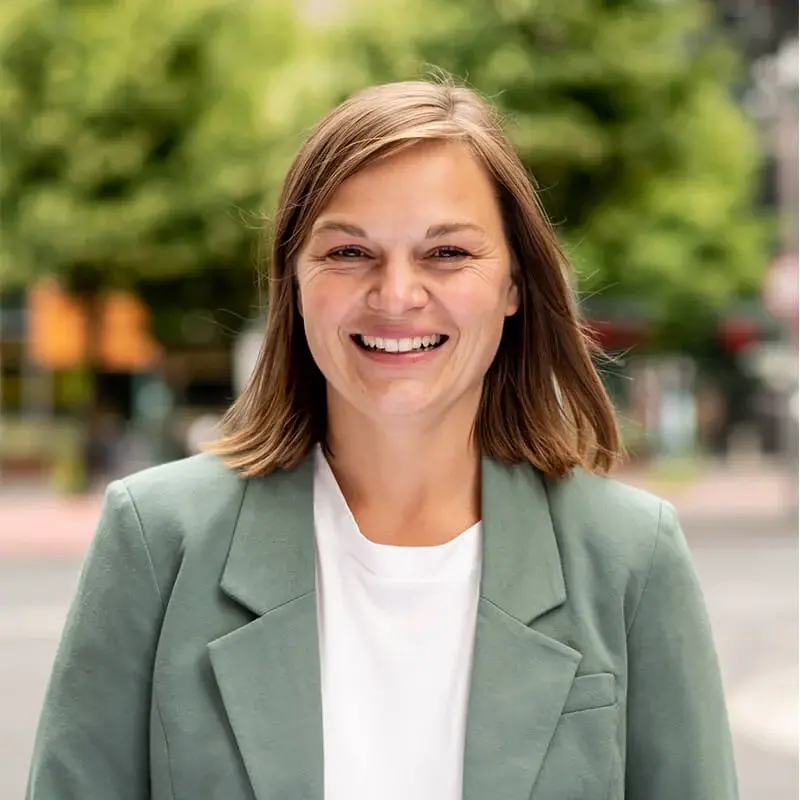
x=98 y=383
x=63 y=363
x=767 y=32
x=747 y=381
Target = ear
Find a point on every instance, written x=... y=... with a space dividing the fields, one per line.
x=512 y=299
x=298 y=296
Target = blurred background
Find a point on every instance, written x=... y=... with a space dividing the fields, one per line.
x=142 y=147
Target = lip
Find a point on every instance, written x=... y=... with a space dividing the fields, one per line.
x=397 y=359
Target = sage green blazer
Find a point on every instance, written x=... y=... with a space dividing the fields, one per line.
x=189 y=666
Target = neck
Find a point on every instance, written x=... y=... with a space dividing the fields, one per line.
x=407 y=482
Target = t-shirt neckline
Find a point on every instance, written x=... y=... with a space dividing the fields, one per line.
x=453 y=560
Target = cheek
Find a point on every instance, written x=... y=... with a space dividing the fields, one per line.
x=479 y=307
x=324 y=306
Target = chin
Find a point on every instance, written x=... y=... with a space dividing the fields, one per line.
x=398 y=404
x=400 y=408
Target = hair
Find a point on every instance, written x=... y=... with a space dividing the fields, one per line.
x=542 y=402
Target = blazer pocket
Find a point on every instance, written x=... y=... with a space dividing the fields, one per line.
x=591 y=691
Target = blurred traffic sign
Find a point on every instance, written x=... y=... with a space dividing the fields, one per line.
x=775 y=363
x=780 y=287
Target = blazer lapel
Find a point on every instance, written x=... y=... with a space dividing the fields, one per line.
x=268 y=671
x=520 y=677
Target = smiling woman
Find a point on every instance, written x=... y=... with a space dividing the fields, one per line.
x=401 y=573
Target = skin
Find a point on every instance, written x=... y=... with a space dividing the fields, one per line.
x=411 y=245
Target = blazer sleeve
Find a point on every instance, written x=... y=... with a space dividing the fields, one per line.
x=92 y=738
x=678 y=738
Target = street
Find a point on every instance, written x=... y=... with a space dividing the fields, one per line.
x=750 y=579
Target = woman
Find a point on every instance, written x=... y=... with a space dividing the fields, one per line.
x=401 y=573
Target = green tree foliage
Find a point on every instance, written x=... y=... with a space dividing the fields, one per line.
x=140 y=139
x=622 y=111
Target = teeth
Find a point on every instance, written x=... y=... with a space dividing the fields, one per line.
x=406 y=345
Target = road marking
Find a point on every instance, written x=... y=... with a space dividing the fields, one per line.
x=764 y=710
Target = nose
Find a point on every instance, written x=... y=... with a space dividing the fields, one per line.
x=398 y=288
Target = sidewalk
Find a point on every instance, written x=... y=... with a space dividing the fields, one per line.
x=754 y=493
x=750 y=496
x=36 y=523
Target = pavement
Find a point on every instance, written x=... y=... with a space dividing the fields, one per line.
x=35 y=522
x=746 y=494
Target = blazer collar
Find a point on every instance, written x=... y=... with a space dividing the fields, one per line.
x=272 y=556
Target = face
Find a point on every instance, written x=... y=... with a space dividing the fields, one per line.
x=404 y=284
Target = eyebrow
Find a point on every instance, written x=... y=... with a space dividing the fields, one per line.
x=446 y=228
x=434 y=232
x=343 y=227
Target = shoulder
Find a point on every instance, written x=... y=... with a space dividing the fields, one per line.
x=191 y=490
x=184 y=479
x=611 y=512
x=178 y=505
x=604 y=498
x=186 y=471
x=609 y=533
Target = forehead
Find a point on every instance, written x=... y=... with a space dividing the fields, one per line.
x=441 y=180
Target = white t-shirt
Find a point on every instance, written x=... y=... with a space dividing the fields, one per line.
x=396 y=628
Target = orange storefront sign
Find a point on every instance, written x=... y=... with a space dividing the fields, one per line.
x=125 y=343
x=59 y=331
x=57 y=327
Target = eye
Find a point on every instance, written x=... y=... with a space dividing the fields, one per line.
x=449 y=254
x=349 y=253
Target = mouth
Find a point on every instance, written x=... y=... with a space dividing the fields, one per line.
x=415 y=344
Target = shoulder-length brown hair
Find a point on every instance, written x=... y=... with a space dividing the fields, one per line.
x=543 y=401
